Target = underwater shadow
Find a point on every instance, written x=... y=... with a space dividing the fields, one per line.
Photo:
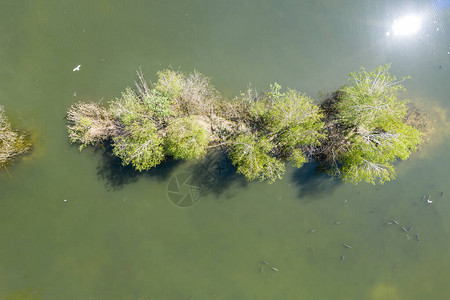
x=215 y=174
x=116 y=175
x=311 y=180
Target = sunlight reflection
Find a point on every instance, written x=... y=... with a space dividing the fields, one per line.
x=407 y=25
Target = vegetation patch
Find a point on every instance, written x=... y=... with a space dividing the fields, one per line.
x=367 y=128
x=13 y=143
x=355 y=134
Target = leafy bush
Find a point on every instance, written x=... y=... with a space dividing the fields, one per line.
x=287 y=122
x=373 y=133
x=251 y=156
x=186 y=138
x=139 y=145
x=130 y=108
x=170 y=83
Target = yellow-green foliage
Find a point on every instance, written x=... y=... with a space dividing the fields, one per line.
x=129 y=108
x=139 y=145
x=12 y=143
x=251 y=155
x=285 y=123
x=186 y=138
x=378 y=135
x=170 y=83
x=182 y=115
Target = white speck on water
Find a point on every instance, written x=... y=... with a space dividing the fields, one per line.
x=77 y=68
x=65 y=200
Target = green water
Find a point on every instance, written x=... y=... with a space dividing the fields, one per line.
x=119 y=234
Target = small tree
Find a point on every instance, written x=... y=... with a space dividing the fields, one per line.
x=368 y=121
x=139 y=145
x=251 y=155
x=280 y=125
x=186 y=138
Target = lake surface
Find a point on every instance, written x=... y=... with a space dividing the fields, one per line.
x=79 y=226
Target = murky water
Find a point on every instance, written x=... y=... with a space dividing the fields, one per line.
x=78 y=226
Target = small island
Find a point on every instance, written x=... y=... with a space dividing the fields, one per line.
x=13 y=143
x=355 y=134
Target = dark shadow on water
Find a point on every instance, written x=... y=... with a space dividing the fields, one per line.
x=311 y=181
x=212 y=174
x=215 y=174
x=116 y=176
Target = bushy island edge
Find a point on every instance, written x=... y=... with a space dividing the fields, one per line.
x=13 y=143
x=355 y=134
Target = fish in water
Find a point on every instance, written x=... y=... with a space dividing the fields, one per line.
x=417 y=236
x=404 y=229
x=389 y=223
x=275 y=269
x=429 y=201
x=348 y=246
x=77 y=68
x=260 y=270
x=442 y=193
x=264 y=262
x=410 y=228
x=342 y=258
x=395 y=222
x=338 y=223
x=312 y=230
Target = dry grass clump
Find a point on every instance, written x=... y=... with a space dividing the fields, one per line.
x=12 y=143
x=90 y=124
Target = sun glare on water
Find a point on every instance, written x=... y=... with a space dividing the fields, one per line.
x=407 y=25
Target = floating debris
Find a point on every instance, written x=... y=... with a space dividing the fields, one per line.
x=347 y=246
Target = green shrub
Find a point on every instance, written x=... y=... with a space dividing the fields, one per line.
x=375 y=132
x=187 y=138
x=139 y=145
x=251 y=155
